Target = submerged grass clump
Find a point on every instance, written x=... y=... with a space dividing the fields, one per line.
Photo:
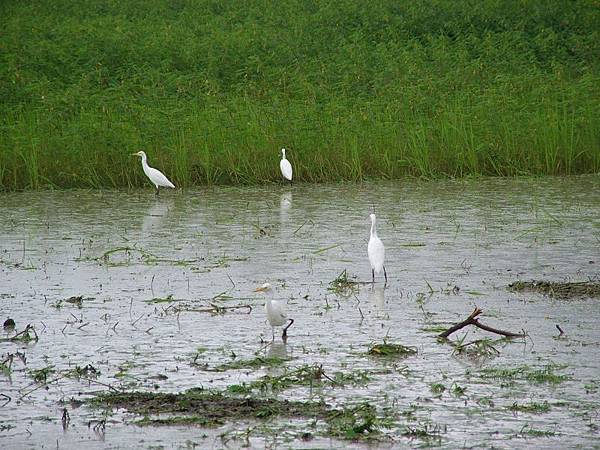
x=528 y=431
x=358 y=422
x=391 y=350
x=532 y=407
x=211 y=409
x=546 y=374
x=342 y=285
x=306 y=375
x=557 y=289
x=253 y=363
x=197 y=406
x=354 y=90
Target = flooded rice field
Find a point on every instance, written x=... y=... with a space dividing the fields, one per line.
x=130 y=293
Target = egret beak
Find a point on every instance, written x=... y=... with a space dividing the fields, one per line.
x=260 y=289
x=134 y=154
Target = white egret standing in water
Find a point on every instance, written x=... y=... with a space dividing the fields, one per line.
x=275 y=310
x=376 y=251
x=156 y=176
x=285 y=166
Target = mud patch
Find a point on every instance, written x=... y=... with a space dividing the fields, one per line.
x=557 y=289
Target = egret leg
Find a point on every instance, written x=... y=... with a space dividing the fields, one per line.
x=372 y=275
x=156 y=193
x=385 y=274
x=273 y=331
x=284 y=335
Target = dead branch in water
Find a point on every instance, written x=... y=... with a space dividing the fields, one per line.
x=23 y=336
x=472 y=320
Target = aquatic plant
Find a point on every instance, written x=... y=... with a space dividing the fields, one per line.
x=342 y=285
x=562 y=290
x=387 y=349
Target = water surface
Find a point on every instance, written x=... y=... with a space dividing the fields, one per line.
x=450 y=246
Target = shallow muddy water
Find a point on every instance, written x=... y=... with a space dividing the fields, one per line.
x=450 y=246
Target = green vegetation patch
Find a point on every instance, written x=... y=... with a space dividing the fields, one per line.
x=532 y=407
x=209 y=409
x=197 y=406
x=342 y=285
x=558 y=289
x=306 y=375
x=391 y=350
x=545 y=374
x=528 y=431
x=359 y=422
x=254 y=363
x=357 y=90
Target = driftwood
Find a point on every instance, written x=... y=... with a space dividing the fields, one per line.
x=472 y=320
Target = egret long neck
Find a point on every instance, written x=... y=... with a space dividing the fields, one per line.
x=373 y=228
x=145 y=163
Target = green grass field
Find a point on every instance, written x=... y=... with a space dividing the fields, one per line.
x=211 y=90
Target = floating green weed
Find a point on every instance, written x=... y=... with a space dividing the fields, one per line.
x=563 y=290
x=306 y=375
x=210 y=409
x=532 y=407
x=167 y=299
x=481 y=348
x=253 y=363
x=457 y=390
x=528 y=430
x=437 y=388
x=391 y=350
x=41 y=375
x=206 y=408
x=358 y=422
x=545 y=374
x=342 y=285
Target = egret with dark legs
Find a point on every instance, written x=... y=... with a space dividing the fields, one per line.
x=376 y=252
x=275 y=310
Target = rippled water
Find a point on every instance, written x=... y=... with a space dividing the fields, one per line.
x=217 y=245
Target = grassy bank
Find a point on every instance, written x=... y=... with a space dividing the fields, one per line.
x=213 y=90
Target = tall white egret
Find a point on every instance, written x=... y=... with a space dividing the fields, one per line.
x=156 y=176
x=376 y=251
x=275 y=310
x=285 y=166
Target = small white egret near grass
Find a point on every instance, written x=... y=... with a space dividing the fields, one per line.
x=376 y=251
x=275 y=310
x=285 y=166
x=156 y=176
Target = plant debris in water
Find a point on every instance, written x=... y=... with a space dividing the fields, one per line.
x=544 y=375
x=209 y=409
x=390 y=350
x=557 y=289
x=306 y=375
x=255 y=363
x=342 y=285
x=197 y=406
x=530 y=407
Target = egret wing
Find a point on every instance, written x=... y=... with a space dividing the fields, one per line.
x=157 y=177
x=286 y=169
